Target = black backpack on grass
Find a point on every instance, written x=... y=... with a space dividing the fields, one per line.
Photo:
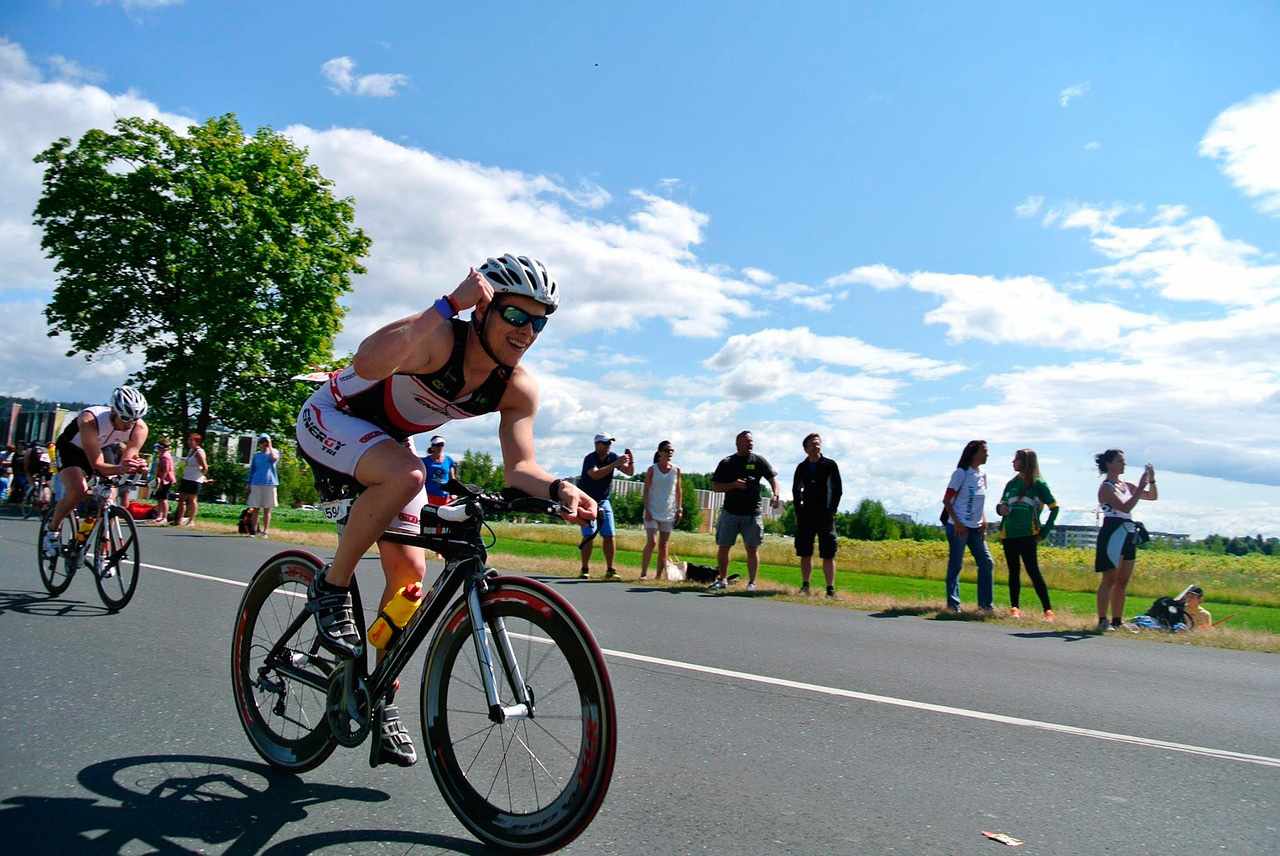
x=245 y=525
x=1168 y=612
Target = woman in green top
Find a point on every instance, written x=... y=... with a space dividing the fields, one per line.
x=1020 y=532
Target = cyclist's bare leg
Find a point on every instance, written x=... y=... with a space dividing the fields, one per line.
x=392 y=475
x=74 y=489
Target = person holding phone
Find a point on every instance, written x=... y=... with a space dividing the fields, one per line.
x=1118 y=538
x=596 y=481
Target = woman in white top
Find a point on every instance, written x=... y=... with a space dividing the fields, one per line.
x=662 y=507
x=195 y=473
x=965 y=501
x=1117 y=539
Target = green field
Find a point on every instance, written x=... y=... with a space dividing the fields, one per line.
x=902 y=572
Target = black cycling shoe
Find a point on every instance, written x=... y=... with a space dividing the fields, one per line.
x=392 y=745
x=335 y=618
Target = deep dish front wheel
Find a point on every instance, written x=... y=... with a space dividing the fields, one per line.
x=279 y=671
x=117 y=558
x=533 y=784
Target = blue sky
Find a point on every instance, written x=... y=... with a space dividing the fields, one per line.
x=1046 y=229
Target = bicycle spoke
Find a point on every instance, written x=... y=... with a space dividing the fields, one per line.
x=501 y=767
x=533 y=758
x=542 y=697
x=533 y=775
x=571 y=752
x=478 y=751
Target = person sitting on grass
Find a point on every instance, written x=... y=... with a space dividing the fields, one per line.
x=1174 y=614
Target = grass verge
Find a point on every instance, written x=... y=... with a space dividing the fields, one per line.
x=1253 y=627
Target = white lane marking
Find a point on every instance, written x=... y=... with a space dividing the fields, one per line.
x=1131 y=739
x=194 y=575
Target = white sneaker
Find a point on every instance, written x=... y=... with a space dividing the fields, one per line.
x=51 y=545
x=751 y=586
x=716 y=585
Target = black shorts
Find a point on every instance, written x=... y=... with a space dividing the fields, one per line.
x=806 y=531
x=189 y=488
x=161 y=492
x=71 y=455
x=1117 y=541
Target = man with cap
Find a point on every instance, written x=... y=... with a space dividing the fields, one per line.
x=596 y=481
x=163 y=477
x=441 y=469
x=263 y=481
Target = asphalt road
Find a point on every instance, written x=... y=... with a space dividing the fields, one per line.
x=118 y=734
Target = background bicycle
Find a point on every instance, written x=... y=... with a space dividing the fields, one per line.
x=37 y=498
x=99 y=534
x=518 y=717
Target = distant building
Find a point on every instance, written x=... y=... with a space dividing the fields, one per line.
x=1067 y=535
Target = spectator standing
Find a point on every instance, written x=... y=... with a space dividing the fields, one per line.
x=815 y=494
x=965 y=501
x=164 y=478
x=263 y=481
x=1118 y=537
x=195 y=472
x=1020 y=533
x=596 y=481
x=738 y=478
x=663 y=508
x=18 y=487
x=440 y=469
x=6 y=470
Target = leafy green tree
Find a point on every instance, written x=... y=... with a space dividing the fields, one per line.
x=227 y=476
x=297 y=482
x=218 y=256
x=692 y=517
x=478 y=468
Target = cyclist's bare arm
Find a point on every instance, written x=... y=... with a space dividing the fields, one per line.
x=137 y=438
x=415 y=343
x=88 y=426
x=520 y=468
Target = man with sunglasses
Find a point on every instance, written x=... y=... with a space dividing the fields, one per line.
x=410 y=377
x=81 y=447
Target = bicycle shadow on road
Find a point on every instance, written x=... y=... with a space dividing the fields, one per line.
x=44 y=604
x=161 y=800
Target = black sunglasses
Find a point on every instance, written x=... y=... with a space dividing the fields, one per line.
x=517 y=317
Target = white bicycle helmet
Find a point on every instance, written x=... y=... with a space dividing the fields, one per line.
x=128 y=403
x=524 y=276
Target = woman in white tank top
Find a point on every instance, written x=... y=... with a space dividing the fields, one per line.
x=1117 y=538
x=662 y=507
x=195 y=473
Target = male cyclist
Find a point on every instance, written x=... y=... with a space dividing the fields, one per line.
x=80 y=451
x=412 y=376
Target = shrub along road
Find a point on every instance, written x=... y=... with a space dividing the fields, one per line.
x=807 y=736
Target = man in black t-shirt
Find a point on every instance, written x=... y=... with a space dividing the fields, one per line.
x=738 y=478
x=815 y=494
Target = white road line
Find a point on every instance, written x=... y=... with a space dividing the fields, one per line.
x=1133 y=740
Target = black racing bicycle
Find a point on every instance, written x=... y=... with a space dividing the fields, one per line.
x=99 y=534
x=518 y=717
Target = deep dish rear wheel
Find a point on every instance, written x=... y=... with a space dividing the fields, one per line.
x=56 y=571
x=279 y=670
x=530 y=785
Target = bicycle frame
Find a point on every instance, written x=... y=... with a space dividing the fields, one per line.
x=466 y=570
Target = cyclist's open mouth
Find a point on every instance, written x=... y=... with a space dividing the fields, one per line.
x=519 y=346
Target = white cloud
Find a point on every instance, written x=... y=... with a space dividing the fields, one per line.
x=1092 y=146
x=1027 y=310
x=139 y=5
x=1029 y=207
x=1179 y=256
x=340 y=71
x=800 y=344
x=1245 y=138
x=73 y=72
x=758 y=276
x=668 y=184
x=1070 y=93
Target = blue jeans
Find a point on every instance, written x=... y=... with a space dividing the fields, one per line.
x=976 y=541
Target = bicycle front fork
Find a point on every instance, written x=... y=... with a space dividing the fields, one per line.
x=484 y=640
